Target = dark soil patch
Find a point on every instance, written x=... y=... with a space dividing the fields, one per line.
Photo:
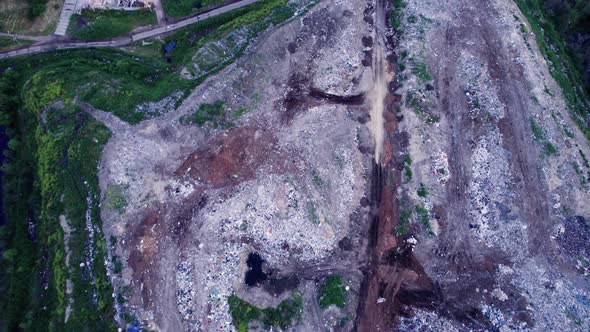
x=233 y=157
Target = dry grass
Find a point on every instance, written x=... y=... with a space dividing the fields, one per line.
x=14 y=17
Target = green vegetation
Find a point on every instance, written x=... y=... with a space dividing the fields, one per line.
x=240 y=112
x=538 y=132
x=116 y=197
x=562 y=66
x=539 y=136
x=420 y=70
x=422 y=213
x=179 y=8
x=313 y=213
x=106 y=24
x=584 y=159
x=52 y=172
x=413 y=103
x=253 y=18
x=422 y=191
x=37 y=7
x=214 y=113
x=150 y=47
x=7 y=44
x=317 y=179
x=110 y=80
x=397 y=14
x=550 y=148
x=332 y=292
x=404 y=218
x=408 y=169
x=283 y=316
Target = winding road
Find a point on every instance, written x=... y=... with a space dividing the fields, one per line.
x=52 y=43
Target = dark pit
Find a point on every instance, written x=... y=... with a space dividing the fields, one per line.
x=255 y=275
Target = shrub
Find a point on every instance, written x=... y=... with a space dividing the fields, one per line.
x=332 y=292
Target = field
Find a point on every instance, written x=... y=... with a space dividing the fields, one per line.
x=105 y=24
x=15 y=17
x=7 y=44
x=180 y=8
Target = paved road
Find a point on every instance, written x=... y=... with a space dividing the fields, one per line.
x=159 y=8
x=118 y=42
x=64 y=17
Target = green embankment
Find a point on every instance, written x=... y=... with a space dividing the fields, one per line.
x=561 y=64
x=108 y=79
x=52 y=171
x=105 y=24
x=255 y=18
x=53 y=160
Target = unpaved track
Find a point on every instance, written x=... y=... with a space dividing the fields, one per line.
x=382 y=280
x=377 y=94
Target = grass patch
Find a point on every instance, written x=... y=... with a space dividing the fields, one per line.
x=422 y=213
x=332 y=292
x=213 y=113
x=284 y=316
x=420 y=70
x=110 y=80
x=404 y=219
x=7 y=44
x=240 y=112
x=396 y=15
x=413 y=103
x=106 y=24
x=180 y=8
x=408 y=169
x=422 y=191
x=539 y=136
x=150 y=47
x=116 y=197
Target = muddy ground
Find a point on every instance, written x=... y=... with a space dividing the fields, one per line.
x=469 y=215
